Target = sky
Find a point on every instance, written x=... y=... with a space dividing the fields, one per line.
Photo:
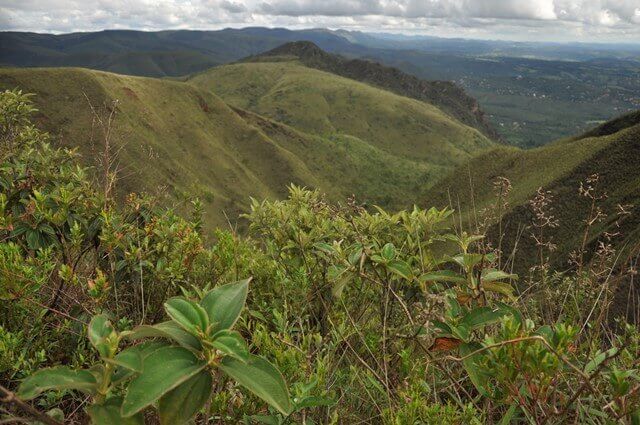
x=521 y=20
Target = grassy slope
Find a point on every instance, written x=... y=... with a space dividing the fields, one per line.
x=176 y=138
x=184 y=141
x=610 y=150
x=334 y=106
x=445 y=95
x=351 y=165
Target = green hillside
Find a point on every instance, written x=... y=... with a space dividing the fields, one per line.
x=181 y=140
x=328 y=105
x=175 y=139
x=610 y=151
x=445 y=95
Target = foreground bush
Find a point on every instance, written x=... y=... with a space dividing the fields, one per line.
x=370 y=316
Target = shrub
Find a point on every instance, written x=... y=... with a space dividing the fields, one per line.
x=372 y=316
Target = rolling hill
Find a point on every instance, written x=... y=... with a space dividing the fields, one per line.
x=192 y=138
x=444 y=94
x=328 y=105
x=173 y=138
x=611 y=150
x=532 y=93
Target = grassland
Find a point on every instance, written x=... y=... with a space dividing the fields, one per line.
x=174 y=138
x=333 y=106
x=609 y=151
x=181 y=140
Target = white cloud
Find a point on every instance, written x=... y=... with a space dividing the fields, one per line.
x=597 y=20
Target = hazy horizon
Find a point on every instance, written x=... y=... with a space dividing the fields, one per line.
x=602 y=21
x=390 y=34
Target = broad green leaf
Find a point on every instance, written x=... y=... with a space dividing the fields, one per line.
x=57 y=378
x=473 y=238
x=478 y=378
x=169 y=330
x=109 y=414
x=401 y=268
x=261 y=378
x=442 y=276
x=598 y=359
x=128 y=359
x=223 y=304
x=334 y=272
x=546 y=332
x=187 y=314
x=517 y=315
x=33 y=239
x=322 y=246
x=482 y=316
x=163 y=370
x=461 y=331
x=183 y=402
x=102 y=335
x=491 y=275
x=143 y=350
x=453 y=307
x=231 y=344
x=442 y=327
x=377 y=259
x=503 y=288
x=356 y=254
x=388 y=252
x=468 y=261
x=99 y=328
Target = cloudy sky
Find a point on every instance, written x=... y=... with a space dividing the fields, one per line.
x=549 y=20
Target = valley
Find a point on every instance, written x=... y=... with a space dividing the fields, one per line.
x=225 y=139
x=532 y=93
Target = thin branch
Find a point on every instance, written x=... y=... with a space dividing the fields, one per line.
x=10 y=397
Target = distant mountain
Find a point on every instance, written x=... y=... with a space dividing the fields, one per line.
x=152 y=54
x=444 y=94
x=180 y=52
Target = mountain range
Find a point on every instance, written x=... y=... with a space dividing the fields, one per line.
x=532 y=93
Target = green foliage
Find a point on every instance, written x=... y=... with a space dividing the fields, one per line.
x=603 y=156
x=164 y=370
x=185 y=401
x=178 y=379
x=58 y=378
x=373 y=316
x=224 y=303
